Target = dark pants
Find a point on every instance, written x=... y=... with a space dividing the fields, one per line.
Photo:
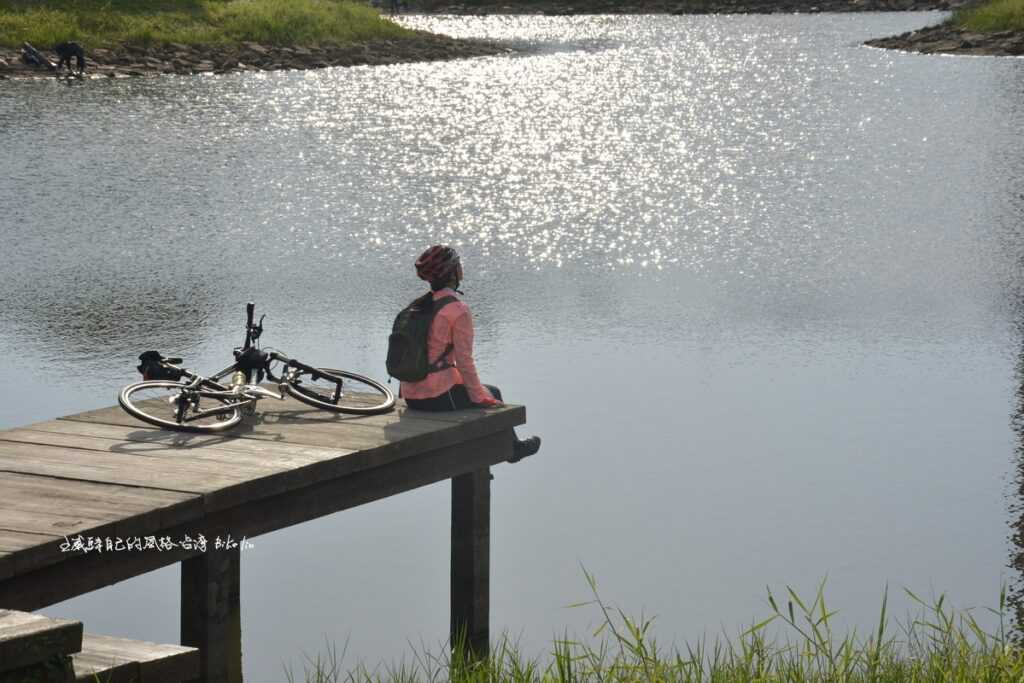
x=456 y=398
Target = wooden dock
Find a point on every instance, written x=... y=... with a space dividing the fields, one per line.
x=36 y=648
x=103 y=475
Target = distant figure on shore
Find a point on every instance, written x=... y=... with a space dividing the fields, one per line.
x=65 y=51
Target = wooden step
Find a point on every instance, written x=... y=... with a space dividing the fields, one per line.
x=118 y=660
x=27 y=639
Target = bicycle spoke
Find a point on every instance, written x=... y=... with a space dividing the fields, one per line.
x=340 y=390
x=169 y=404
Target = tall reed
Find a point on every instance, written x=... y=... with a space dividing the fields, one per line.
x=937 y=645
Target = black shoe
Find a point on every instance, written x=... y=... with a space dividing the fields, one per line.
x=524 y=448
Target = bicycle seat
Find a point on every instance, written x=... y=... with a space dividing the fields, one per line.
x=157 y=357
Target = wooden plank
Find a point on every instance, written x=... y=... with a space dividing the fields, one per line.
x=392 y=423
x=496 y=419
x=85 y=573
x=403 y=411
x=114 y=468
x=27 y=639
x=370 y=445
x=11 y=618
x=470 y=566
x=114 y=414
x=91 y=667
x=52 y=522
x=220 y=486
x=154 y=663
x=99 y=501
x=11 y=541
x=460 y=416
x=313 y=426
x=170 y=474
x=353 y=435
x=47 y=508
x=319 y=429
x=38 y=549
x=277 y=458
x=307 y=427
x=211 y=613
x=222 y=478
x=291 y=450
x=130 y=439
x=400 y=412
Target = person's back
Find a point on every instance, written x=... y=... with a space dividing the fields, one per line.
x=452 y=382
x=449 y=350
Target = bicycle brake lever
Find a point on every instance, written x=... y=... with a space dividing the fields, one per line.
x=257 y=329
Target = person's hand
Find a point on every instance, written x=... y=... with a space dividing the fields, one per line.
x=489 y=402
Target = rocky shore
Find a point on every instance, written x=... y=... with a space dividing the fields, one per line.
x=176 y=58
x=949 y=39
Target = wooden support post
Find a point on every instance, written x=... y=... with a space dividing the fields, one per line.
x=211 y=613
x=471 y=559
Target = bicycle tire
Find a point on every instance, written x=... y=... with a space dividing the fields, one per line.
x=370 y=399
x=143 y=400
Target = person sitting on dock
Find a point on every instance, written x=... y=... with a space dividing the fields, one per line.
x=453 y=383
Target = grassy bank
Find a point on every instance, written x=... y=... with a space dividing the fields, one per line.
x=998 y=15
x=105 y=23
x=938 y=644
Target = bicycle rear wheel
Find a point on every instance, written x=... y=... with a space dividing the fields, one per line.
x=339 y=391
x=164 y=403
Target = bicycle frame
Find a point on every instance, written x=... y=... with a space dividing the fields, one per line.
x=249 y=360
x=242 y=395
x=235 y=390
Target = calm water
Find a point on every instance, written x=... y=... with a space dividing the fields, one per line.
x=757 y=285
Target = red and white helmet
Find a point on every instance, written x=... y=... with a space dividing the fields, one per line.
x=439 y=263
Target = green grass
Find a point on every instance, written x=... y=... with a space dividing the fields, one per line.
x=998 y=15
x=105 y=23
x=938 y=645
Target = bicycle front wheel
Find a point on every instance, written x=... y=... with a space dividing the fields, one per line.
x=166 y=404
x=339 y=391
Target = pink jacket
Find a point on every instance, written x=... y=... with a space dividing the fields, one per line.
x=453 y=324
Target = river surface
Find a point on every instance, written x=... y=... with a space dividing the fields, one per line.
x=758 y=286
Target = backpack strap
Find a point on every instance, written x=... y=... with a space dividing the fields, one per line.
x=442 y=362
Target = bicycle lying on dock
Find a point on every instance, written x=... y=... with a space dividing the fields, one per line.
x=175 y=398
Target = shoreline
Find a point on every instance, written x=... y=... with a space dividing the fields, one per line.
x=180 y=59
x=948 y=39
x=176 y=58
x=944 y=38
x=679 y=7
